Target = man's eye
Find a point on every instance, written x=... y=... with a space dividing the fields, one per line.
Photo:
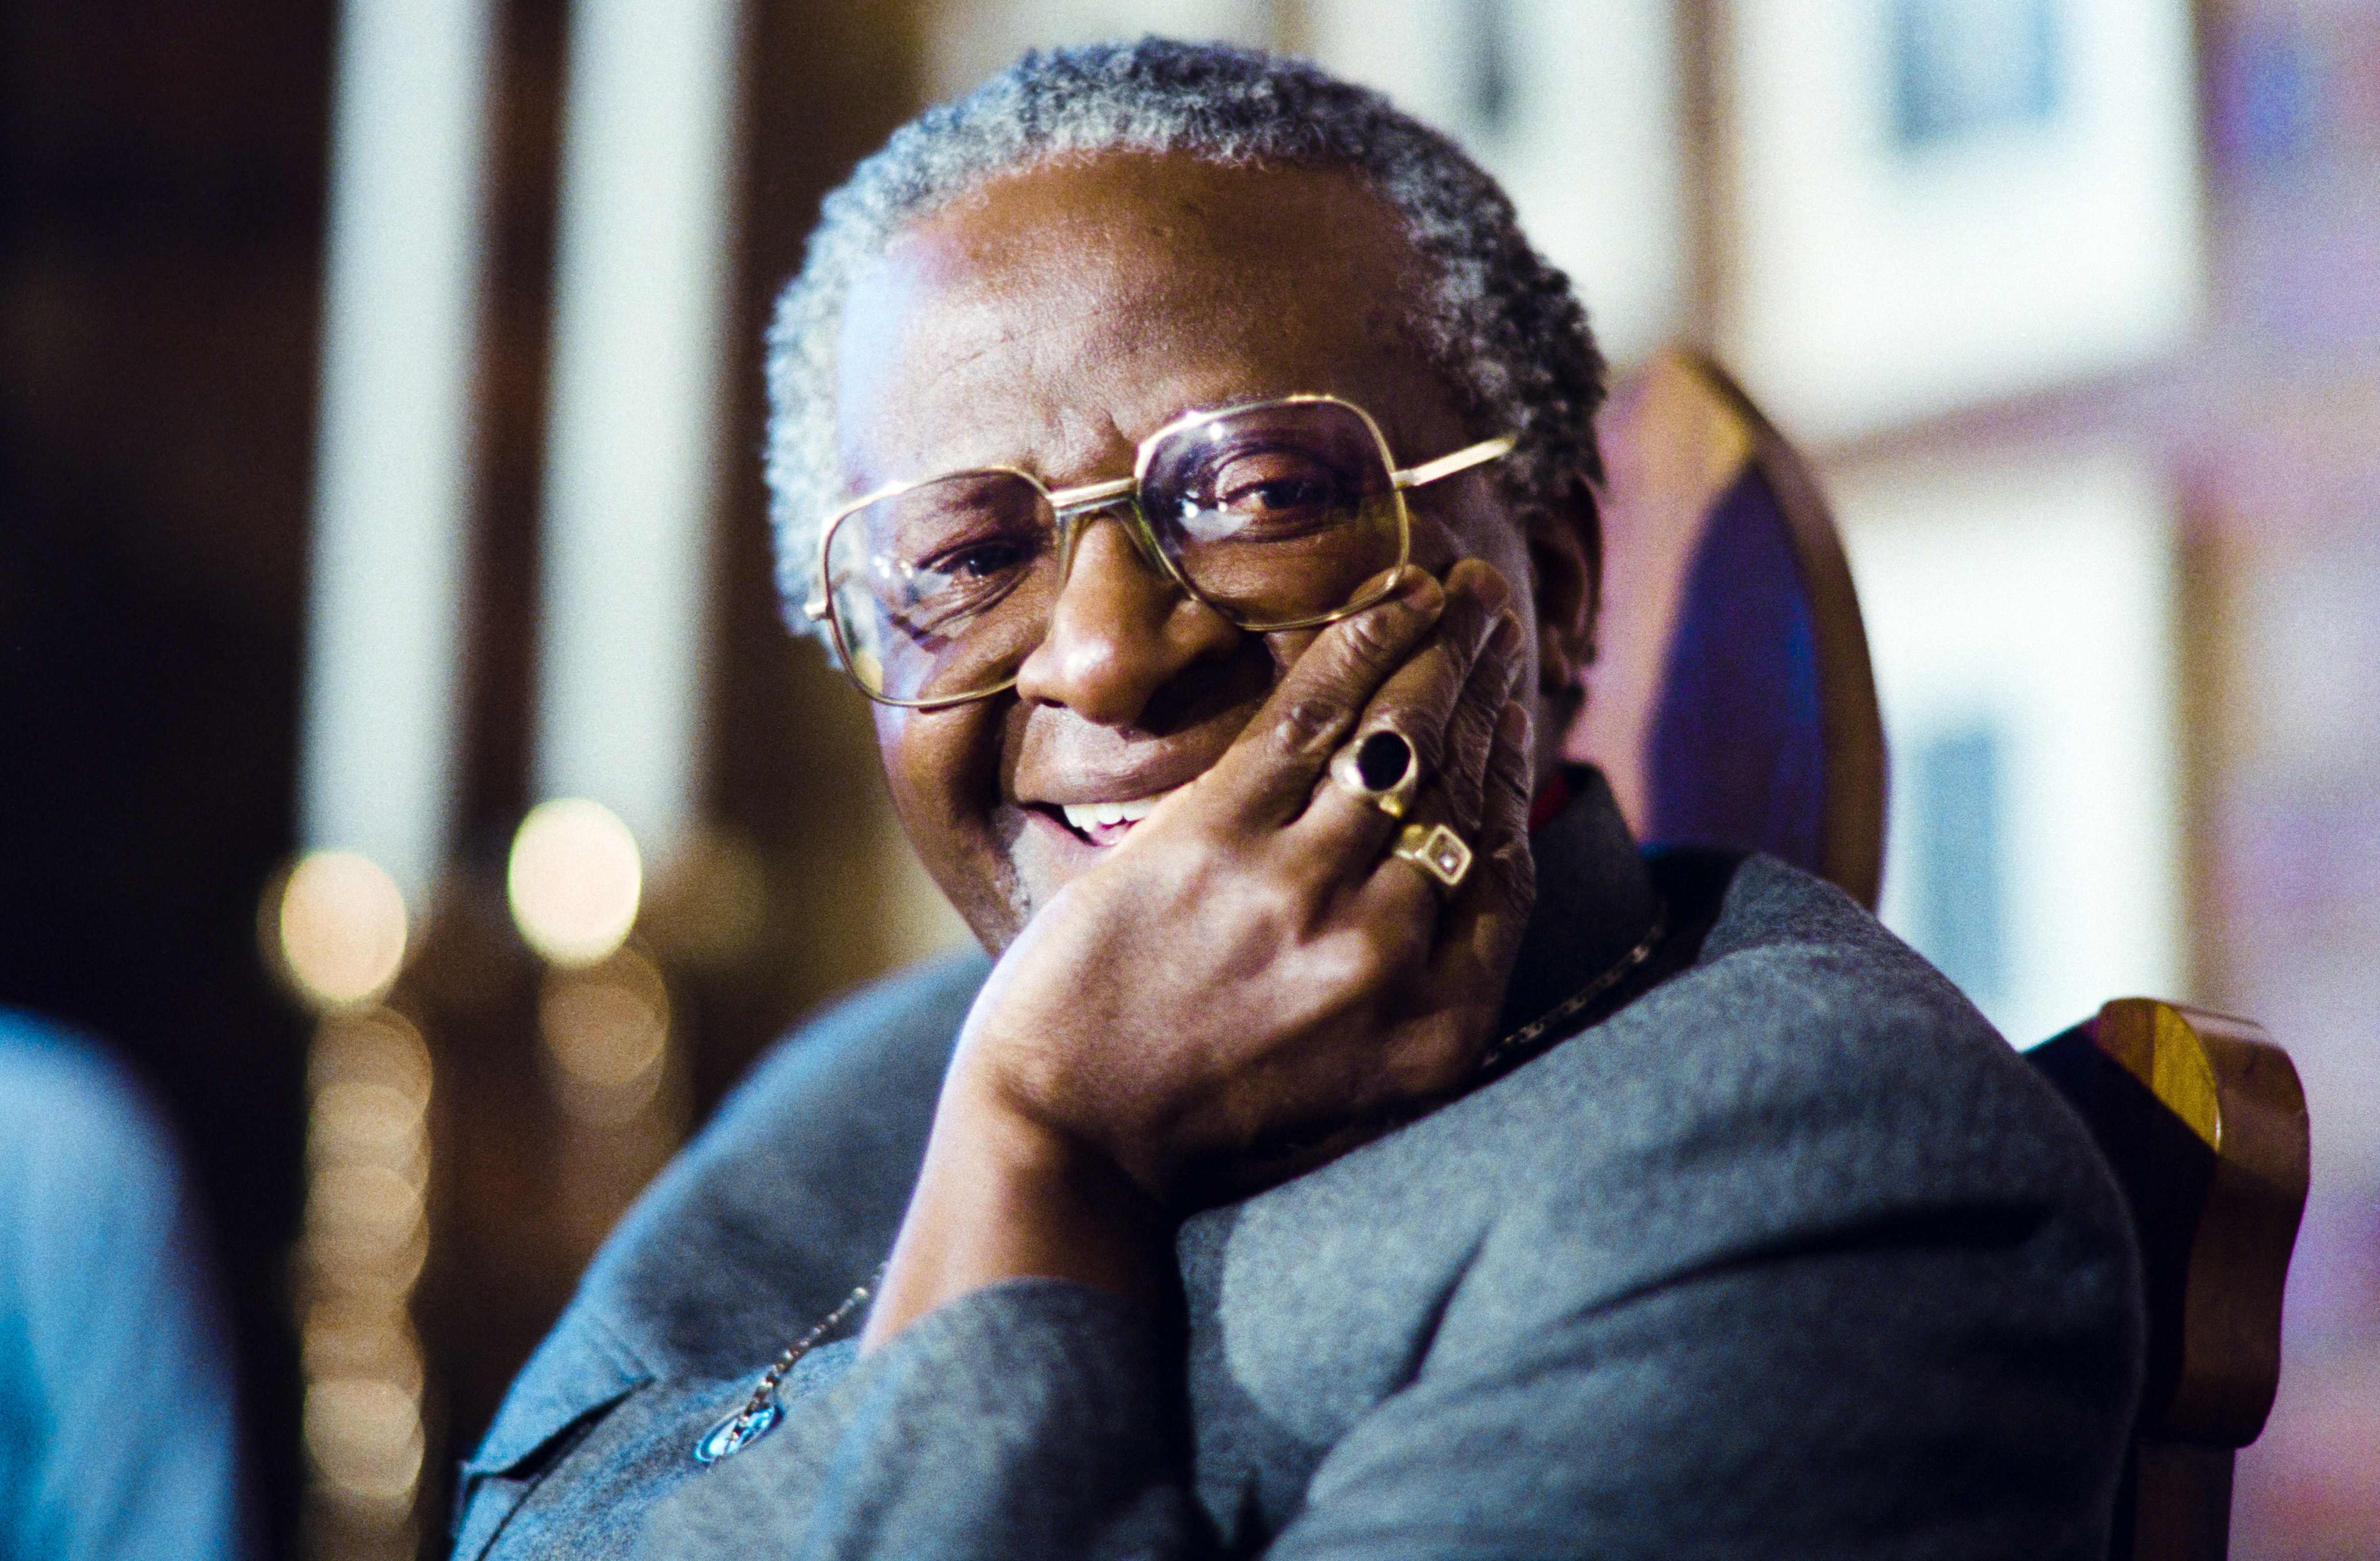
x=1285 y=493
x=981 y=561
x=1271 y=484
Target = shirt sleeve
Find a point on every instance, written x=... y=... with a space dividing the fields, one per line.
x=1026 y=1419
x=1877 y=1395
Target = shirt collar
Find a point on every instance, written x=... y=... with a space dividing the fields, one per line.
x=1594 y=902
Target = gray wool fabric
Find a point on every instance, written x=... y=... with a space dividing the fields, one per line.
x=1790 y=1257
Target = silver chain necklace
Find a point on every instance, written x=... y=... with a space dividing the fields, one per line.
x=762 y=1411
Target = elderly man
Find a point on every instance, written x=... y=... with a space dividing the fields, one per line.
x=1353 y=1145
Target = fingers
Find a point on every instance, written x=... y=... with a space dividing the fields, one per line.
x=1461 y=799
x=1439 y=959
x=1444 y=701
x=1485 y=917
x=1455 y=996
x=1471 y=733
x=1267 y=776
x=1421 y=699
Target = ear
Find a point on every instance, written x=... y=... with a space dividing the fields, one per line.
x=1566 y=551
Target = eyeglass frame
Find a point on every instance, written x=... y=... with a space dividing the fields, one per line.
x=1069 y=505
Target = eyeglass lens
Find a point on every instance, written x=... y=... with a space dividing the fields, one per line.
x=1275 y=516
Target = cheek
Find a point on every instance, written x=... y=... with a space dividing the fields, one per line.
x=943 y=771
x=941 y=765
x=1443 y=537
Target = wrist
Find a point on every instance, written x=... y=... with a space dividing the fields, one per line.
x=1003 y=1195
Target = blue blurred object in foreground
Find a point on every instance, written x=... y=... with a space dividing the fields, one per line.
x=117 y=1432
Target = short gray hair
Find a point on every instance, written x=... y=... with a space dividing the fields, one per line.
x=1500 y=323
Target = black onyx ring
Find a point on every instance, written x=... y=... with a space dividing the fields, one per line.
x=1436 y=851
x=1381 y=768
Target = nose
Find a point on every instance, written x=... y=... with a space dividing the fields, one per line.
x=1119 y=631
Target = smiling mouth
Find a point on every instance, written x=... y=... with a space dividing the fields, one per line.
x=1104 y=824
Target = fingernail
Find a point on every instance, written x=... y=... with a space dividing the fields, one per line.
x=1493 y=590
x=1505 y=637
x=1420 y=592
x=1514 y=722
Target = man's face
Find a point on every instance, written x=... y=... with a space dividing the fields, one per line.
x=1051 y=320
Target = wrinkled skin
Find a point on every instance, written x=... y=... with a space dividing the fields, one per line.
x=1247 y=966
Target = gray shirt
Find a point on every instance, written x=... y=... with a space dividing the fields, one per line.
x=1790 y=1256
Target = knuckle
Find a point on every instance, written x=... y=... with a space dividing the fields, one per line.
x=1344 y=967
x=1374 y=637
x=1509 y=680
x=1511 y=782
x=1307 y=724
x=1474 y=726
x=1373 y=954
x=1266 y=902
x=1453 y=655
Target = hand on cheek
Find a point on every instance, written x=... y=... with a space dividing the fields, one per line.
x=1251 y=968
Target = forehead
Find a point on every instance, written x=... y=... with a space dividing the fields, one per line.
x=1060 y=313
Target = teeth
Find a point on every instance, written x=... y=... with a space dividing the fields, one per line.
x=1086 y=815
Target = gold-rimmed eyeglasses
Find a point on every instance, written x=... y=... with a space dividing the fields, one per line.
x=1280 y=514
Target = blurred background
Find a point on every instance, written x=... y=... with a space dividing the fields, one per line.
x=402 y=763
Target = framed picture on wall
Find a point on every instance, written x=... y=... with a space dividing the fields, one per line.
x=1924 y=203
x=2021 y=615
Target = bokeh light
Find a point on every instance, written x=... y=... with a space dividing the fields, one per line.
x=707 y=902
x=367 y=1236
x=364 y=1435
x=342 y=928
x=352 y=1338
x=574 y=881
x=377 y=1046
x=606 y=1031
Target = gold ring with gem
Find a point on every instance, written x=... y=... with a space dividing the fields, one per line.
x=1436 y=851
x=1382 y=768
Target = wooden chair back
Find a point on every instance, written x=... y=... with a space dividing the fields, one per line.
x=2205 y=1123
x=1731 y=701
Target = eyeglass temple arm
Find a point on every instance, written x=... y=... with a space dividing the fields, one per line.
x=1461 y=460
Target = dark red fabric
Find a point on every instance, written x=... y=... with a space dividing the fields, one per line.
x=1552 y=798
